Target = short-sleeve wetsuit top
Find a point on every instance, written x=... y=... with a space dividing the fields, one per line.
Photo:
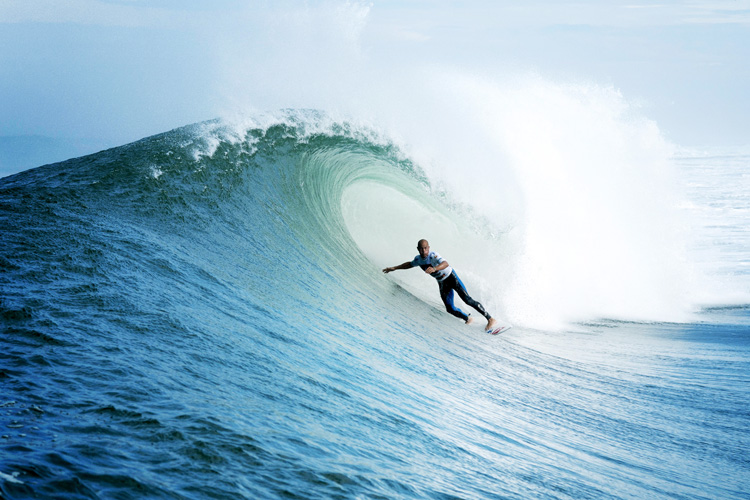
x=432 y=260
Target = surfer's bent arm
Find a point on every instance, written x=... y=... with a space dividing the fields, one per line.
x=439 y=267
x=405 y=265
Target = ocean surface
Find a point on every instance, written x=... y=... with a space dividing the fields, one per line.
x=201 y=315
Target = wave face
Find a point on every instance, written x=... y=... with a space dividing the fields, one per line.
x=201 y=314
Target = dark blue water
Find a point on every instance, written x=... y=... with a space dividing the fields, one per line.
x=188 y=316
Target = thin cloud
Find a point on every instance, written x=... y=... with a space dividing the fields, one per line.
x=87 y=12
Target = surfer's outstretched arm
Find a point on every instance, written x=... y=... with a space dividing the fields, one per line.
x=405 y=265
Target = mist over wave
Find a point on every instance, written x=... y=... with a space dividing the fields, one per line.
x=580 y=185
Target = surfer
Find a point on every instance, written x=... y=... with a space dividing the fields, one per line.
x=437 y=267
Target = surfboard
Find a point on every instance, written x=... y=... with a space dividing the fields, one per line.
x=499 y=329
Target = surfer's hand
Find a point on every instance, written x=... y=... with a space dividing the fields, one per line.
x=387 y=270
x=430 y=270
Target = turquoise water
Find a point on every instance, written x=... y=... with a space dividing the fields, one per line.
x=201 y=314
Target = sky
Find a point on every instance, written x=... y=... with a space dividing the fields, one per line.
x=78 y=76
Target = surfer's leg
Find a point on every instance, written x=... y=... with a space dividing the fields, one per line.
x=461 y=289
x=446 y=293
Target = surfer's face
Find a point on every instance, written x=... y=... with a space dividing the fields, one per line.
x=424 y=248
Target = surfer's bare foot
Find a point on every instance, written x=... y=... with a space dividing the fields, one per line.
x=469 y=320
x=491 y=324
